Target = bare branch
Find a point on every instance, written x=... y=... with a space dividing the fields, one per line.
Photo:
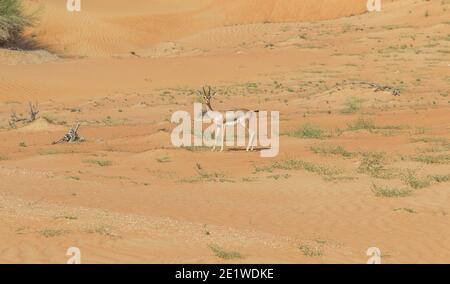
x=33 y=112
x=32 y=115
x=71 y=136
x=379 y=87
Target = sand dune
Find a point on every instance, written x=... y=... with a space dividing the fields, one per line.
x=106 y=28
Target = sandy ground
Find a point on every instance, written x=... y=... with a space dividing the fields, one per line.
x=373 y=170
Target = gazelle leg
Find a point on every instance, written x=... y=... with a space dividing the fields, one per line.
x=216 y=137
x=251 y=137
x=223 y=137
x=252 y=140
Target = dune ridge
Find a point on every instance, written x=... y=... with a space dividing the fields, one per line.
x=106 y=28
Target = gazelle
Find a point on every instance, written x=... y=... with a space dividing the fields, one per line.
x=226 y=118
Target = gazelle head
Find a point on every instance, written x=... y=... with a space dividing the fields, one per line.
x=207 y=94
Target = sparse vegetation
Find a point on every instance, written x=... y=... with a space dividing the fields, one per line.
x=222 y=253
x=295 y=164
x=373 y=165
x=101 y=163
x=196 y=148
x=331 y=150
x=408 y=210
x=208 y=176
x=339 y=178
x=352 y=105
x=277 y=177
x=367 y=124
x=361 y=123
x=440 y=178
x=212 y=176
x=385 y=191
x=433 y=159
x=308 y=131
x=311 y=251
x=50 y=233
x=103 y=231
x=163 y=159
x=411 y=179
x=268 y=169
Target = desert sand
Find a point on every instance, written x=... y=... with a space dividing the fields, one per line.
x=356 y=168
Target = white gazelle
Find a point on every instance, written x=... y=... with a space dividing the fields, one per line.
x=222 y=119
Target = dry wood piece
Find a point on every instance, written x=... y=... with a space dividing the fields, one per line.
x=32 y=115
x=378 y=87
x=71 y=136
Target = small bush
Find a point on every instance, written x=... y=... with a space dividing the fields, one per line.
x=307 y=131
x=12 y=20
x=373 y=165
x=415 y=182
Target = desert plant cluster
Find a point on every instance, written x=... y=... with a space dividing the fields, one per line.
x=13 y=20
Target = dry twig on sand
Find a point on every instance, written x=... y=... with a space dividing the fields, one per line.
x=379 y=87
x=32 y=115
x=71 y=136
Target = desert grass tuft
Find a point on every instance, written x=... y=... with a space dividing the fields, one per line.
x=385 y=191
x=373 y=165
x=361 y=123
x=296 y=164
x=440 y=178
x=352 y=105
x=308 y=131
x=222 y=253
x=411 y=179
x=50 y=233
x=101 y=163
x=311 y=251
x=433 y=159
x=331 y=150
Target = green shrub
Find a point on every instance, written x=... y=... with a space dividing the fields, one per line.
x=12 y=20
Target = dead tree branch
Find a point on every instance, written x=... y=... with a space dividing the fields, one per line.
x=71 y=136
x=33 y=112
x=32 y=115
x=379 y=87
